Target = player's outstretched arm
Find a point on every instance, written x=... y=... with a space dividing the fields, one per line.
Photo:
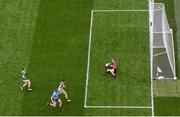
x=66 y=95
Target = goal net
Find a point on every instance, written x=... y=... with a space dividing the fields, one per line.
x=163 y=60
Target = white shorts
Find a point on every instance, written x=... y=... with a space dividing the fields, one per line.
x=26 y=81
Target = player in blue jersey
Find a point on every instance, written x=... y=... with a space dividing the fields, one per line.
x=56 y=99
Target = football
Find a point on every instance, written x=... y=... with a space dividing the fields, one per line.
x=107 y=64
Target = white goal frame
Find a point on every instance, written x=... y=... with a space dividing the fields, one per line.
x=169 y=47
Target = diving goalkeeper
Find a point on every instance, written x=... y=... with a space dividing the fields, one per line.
x=111 y=67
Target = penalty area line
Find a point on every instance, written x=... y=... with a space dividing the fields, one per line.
x=143 y=107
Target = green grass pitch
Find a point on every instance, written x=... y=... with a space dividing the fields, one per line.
x=110 y=39
x=51 y=39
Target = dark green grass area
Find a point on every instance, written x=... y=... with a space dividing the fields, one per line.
x=167 y=106
x=118 y=112
x=114 y=35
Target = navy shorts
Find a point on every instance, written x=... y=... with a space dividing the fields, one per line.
x=56 y=100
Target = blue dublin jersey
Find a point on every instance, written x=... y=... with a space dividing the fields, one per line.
x=55 y=95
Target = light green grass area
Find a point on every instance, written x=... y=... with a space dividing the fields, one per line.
x=114 y=35
x=167 y=88
x=17 y=24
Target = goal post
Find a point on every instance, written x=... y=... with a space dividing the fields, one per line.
x=163 y=45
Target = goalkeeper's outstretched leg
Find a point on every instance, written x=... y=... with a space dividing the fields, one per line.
x=112 y=71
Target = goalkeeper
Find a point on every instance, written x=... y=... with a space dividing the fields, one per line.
x=61 y=90
x=111 y=67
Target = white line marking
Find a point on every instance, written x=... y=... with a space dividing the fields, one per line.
x=148 y=107
x=162 y=32
x=88 y=64
x=160 y=54
x=174 y=60
x=142 y=10
x=163 y=79
x=158 y=47
x=151 y=10
x=89 y=54
x=159 y=8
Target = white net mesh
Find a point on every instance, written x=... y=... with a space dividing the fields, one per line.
x=163 y=46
